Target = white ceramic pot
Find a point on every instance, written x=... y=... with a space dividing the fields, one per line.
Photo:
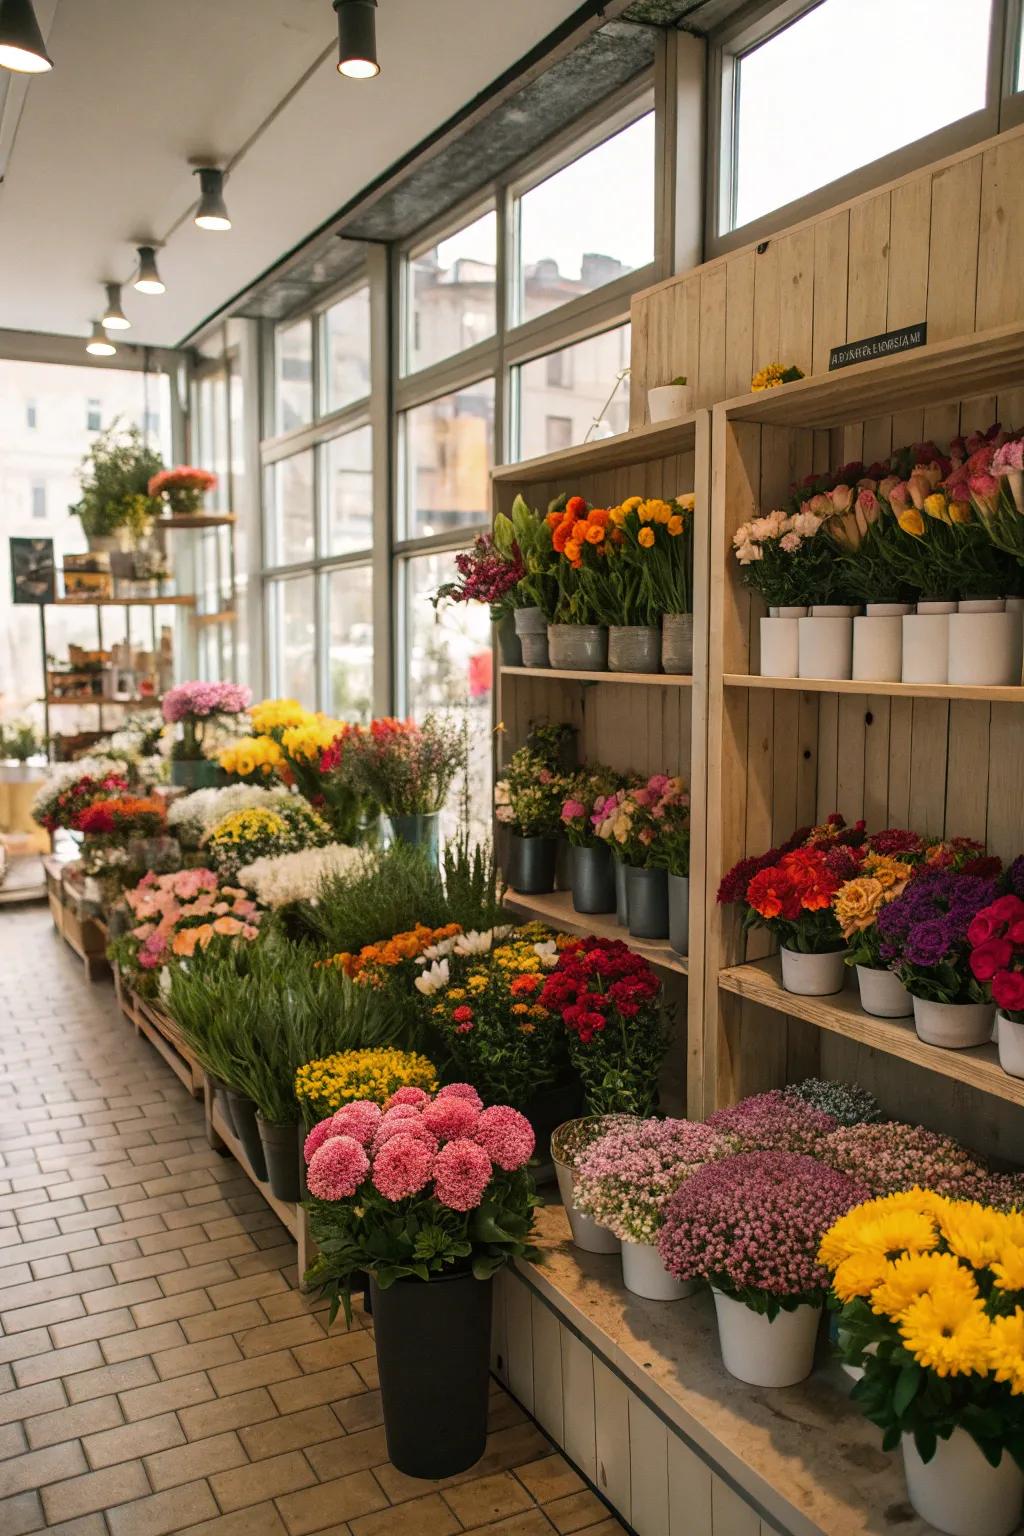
x=644 y=1274
x=954 y=1026
x=883 y=994
x=926 y=643
x=825 y=644
x=1011 y=1045
x=813 y=975
x=586 y=1232
x=667 y=401
x=985 y=648
x=961 y=1493
x=878 y=643
x=779 y=647
x=766 y=1354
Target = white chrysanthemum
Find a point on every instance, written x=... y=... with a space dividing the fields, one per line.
x=477 y=943
x=547 y=949
x=277 y=881
x=436 y=951
x=194 y=815
x=433 y=979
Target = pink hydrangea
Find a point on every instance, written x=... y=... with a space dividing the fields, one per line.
x=361 y=1119
x=449 y=1118
x=415 y=1097
x=754 y=1222
x=461 y=1091
x=413 y=1127
x=462 y=1172
x=505 y=1135
x=337 y=1168
x=402 y=1167
x=317 y=1136
x=775 y=1122
x=624 y=1178
x=192 y=701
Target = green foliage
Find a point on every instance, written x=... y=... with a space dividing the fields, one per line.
x=473 y=885
x=115 y=476
x=529 y=530
x=19 y=741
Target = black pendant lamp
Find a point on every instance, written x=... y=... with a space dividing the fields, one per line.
x=357 y=38
x=212 y=212
x=21 y=42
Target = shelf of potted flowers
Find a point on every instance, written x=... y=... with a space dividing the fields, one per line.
x=590 y=859
x=528 y=799
x=648 y=827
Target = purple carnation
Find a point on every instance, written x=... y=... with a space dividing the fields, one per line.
x=927 y=926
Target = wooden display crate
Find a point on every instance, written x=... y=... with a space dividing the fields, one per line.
x=164 y=1035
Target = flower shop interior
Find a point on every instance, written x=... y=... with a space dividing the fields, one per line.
x=511 y=789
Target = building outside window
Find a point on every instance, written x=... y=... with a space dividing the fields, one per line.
x=294 y=375
x=93 y=416
x=38 y=499
x=581 y=411
x=451 y=293
x=345 y=350
x=447 y=451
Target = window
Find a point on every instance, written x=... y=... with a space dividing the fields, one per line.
x=346 y=474
x=31 y=415
x=290 y=530
x=345 y=350
x=595 y=366
x=450 y=294
x=151 y=423
x=292 y=612
x=560 y=370
x=773 y=92
x=350 y=642
x=294 y=376
x=38 y=497
x=588 y=224
x=93 y=416
x=448 y=451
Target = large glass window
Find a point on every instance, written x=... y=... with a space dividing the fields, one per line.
x=292 y=612
x=346 y=474
x=450 y=294
x=448 y=450
x=577 y=393
x=350 y=642
x=290 y=521
x=294 y=368
x=776 y=105
x=587 y=224
x=345 y=351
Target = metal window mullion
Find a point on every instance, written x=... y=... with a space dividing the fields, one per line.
x=445 y=378
x=439 y=543
x=347 y=419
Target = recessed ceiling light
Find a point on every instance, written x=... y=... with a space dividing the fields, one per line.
x=114 y=317
x=99 y=343
x=211 y=213
x=357 y=39
x=149 y=279
x=21 y=42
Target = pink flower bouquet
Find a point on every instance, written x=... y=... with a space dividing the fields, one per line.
x=191 y=705
x=422 y=1186
x=171 y=916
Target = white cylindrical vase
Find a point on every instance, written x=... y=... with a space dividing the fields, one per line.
x=926 y=642
x=779 y=642
x=1010 y=1037
x=883 y=994
x=954 y=1026
x=587 y=1233
x=984 y=648
x=878 y=643
x=825 y=644
x=778 y=1353
x=813 y=975
x=644 y=1274
x=667 y=401
x=960 y=1492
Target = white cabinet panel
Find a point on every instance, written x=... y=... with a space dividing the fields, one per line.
x=611 y=1405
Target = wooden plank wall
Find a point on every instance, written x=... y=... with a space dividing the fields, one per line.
x=943 y=244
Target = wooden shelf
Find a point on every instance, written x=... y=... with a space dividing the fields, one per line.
x=146 y=703
x=123 y=602
x=226 y=616
x=558 y=910
x=978 y=1067
x=651 y=679
x=635 y=447
x=995 y=694
x=200 y=520
x=983 y=364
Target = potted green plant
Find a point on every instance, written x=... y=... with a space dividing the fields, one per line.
x=528 y=801
x=667 y=401
x=115 y=506
x=528 y=535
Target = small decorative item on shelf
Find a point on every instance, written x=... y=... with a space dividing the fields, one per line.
x=455 y=1174
x=751 y=1226
x=665 y=402
x=193 y=706
x=923 y=934
x=569 y=1144
x=623 y=1180
x=88 y=578
x=593 y=870
x=181 y=490
x=528 y=800
x=856 y=905
x=490 y=574
x=930 y=1292
x=774 y=374
x=996 y=937
x=526 y=536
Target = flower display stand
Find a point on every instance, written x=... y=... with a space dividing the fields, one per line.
x=163 y=1034
x=85 y=936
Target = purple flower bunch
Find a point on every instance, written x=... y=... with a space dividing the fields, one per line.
x=1015 y=877
x=199 y=701
x=624 y=1178
x=751 y=1226
x=776 y=1121
x=923 y=933
x=485 y=574
x=892 y=1157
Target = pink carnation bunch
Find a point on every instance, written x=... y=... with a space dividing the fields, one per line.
x=337 y=1168
x=775 y=1122
x=753 y=1223
x=359 y=1118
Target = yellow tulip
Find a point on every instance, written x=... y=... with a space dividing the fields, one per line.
x=912 y=522
x=646 y=537
x=662 y=511
x=960 y=512
x=675 y=526
x=617 y=515
x=935 y=506
x=644 y=512
x=631 y=503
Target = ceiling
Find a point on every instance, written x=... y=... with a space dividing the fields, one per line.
x=95 y=156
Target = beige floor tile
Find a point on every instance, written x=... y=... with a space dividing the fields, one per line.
x=532 y=1522
x=227 y=1413
x=363 y=1412
x=248 y=1315
x=340 y=1348
x=182 y=1392
x=95 y=1490
x=28 y=1401
x=486 y=1499
x=196 y=1357
x=268 y=1479
x=123 y=1377
x=199 y=1458
x=549 y=1478
x=258 y=1520
x=104 y=1325
x=21 y=1514
x=142 y=1341
x=577 y=1512
x=71 y=1423
x=344 y=1499
x=36 y=1468
x=348 y=1453
x=172 y=1308
x=284 y=1335
x=163 y=1514
x=59 y=1362
x=427 y=1516
x=262 y=1371
x=292 y=1432
x=321 y=1387
x=109 y=1447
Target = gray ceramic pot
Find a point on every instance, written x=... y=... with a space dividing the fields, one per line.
x=634 y=648
x=532 y=871
x=679 y=913
x=677 y=643
x=621 y=893
x=509 y=649
x=578 y=647
x=532 y=630
x=648 y=903
x=593 y=879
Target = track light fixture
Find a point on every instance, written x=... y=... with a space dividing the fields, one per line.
x=99 y=343
x=21 y=42
x=211 y=213
x=149 y=279
x=114 y=317
x=357 y=38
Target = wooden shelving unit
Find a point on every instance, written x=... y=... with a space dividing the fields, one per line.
x=163 y=1034
x=558 y=910
x=180 y=600
x=645 y=679
x=201 y=520
x=993 y=695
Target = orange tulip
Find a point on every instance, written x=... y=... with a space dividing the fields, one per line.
x=572 y=551
x=595 y=534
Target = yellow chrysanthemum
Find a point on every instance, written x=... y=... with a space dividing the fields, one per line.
x=920 y=1274
x=1008 y=1269
x=889 y=1233
x=1007 y=1345
x=277 y=715
x=859 y=1275
x=974 y=1232
x=364 y=1074
x=949 y=1333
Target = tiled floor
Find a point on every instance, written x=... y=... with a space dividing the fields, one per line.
x=159 y=1372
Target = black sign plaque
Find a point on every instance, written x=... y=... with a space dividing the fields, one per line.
x=887 y=344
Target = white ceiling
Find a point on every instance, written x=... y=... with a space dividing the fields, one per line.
x=100 y=154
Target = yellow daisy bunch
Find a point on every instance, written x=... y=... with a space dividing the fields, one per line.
x=252 y=757
x=310 y=739
x=774 y=374
x=244 y=826
x=277 y=715
x=325 y=1085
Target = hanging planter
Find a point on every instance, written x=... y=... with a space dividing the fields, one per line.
x=433 y=1343
x=959 y=1491
x=825 y=642
x=644 y=1273
x=679 y=913
x=883 y=994
x=532 y=630
x=954 y=1026
x=578 y=647
x=533 y=861
x=926 y=642
x=878 y=643
x=634 y=648
x=281 y=1156
x=780 y=642
x=243 y=1114
x=984 y=644
x=593 y=878
x=1010 y=1037
x=647 y=897
x=776 y=1352
x=813 y=975
x=677 y=643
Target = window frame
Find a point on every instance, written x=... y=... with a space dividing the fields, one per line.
x=352 y=284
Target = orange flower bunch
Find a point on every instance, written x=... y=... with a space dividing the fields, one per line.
x=368 y=965
x=576 y=527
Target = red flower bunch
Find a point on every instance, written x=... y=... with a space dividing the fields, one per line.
x=72 y=801
x=996 y=936
x=485 y=575
x=183 y=478
x=789 y=891
x=123 y=816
